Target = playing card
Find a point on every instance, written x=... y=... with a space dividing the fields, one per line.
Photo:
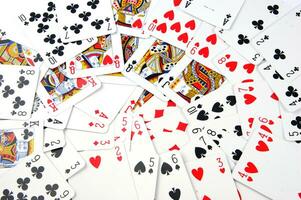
x=130 y=16
x=205 y=45
x=108 y=170
x=166 y=22
x=217 y=104
x=129 y=45
x=35 y=178
x=189 y=80
x=18 y=89
x=53 y=139
x=218 y=13
x=80 y=19
x=19 y=139
x=254 y=17
x=246 y=193
x=58 y=92
x=66 y=160
x=261 y=163
x=104 y=57
x=148 y=65
x=291 y=124
x=173 y=181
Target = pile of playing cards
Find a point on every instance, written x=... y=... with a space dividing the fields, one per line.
x=150 y=100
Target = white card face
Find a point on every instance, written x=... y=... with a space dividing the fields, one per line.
x=205 y=45
x=173 y=180
x=189 y=80
x=151 y=62
x=104 y=57
x=60 y=121
x=211 y=174
x=18 y=90
x=131 y=21
x=166 y=22
x=35 y=178
x=291 y=124
x=58 y=92
x=247 y=193
x=220 y=13
x=282 y=53
x=66 y=160
x=102 y=169
x=80 y=20
x=261 y=163
x=247 y=26
x=19 y=139
x=53 y=139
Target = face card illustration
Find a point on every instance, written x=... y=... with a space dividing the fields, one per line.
x=215 y=12
x=104 y=57
x=189 y=80
x=129 y=46
x=130 y=16
x=169 y=24
x=17 y=91
x=151 y=62
x=58 y=92
x=81 y=20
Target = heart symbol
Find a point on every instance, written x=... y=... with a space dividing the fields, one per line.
x=222 y=170
x=231 y=65
x=270 y=139
x=251 y=88
x=251 y=168
x=162 y=28
x=211 y=39
x=249 y=99
x=119 y=158
x=198 y=173
x=274 y=96
x=197 y=44
x=227 y=56
x=80 y=82
x=183 y=37
x=204 y=52
x=107 y=60
x=299 y=194
x=265 y=128
x=249 y=179
x=169 y=15
x=137 y=24
x=262 y=146
x=206 y=198
x=95 y=161
x=251 y=120
x=190 y=25
x=176 y=27
x=249 y=68
x=177 y=2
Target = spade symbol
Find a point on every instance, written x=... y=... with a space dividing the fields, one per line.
x=139 y=168
x=46 y=144
x=67 y=171
x=200 y=152
x=236 y=154
x=150 y=171
x=166 y=168
x=231 y=100
x=175 y=194
x=177 y=167
x=57 y=152
x=217 y=107
x=203 y=115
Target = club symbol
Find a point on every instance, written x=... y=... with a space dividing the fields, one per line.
x=291 y=91
x=297 y=122
x=7 y=195
x=50 y=38
x=279 y=54
x=18 y=102
x=1 y=79
x=93 y=4
x=276 y=75
x=21 y=196
x=23 y=183
x=37 y=172
x=47 y=17
x=238 y=130
x=37 y=197
x=258 y=24
x=72 y=7
x=7 y=91
x=274 y=9
x=34 y=16
x=76 y=28
x=22 y=82
x=26 y=134
x=58 y=50
x=38 y=58
x=42 y=28
x=51 y=189
x=243 y=39
x=51 y=6
x=97 y=23
x=84 y=15
x=79 y=42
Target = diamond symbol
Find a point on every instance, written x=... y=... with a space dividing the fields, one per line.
x=123 y=129
x=91 y=124
x=95 y=143
x=96 y=111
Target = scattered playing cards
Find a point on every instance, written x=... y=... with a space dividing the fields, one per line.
x=150 y=100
